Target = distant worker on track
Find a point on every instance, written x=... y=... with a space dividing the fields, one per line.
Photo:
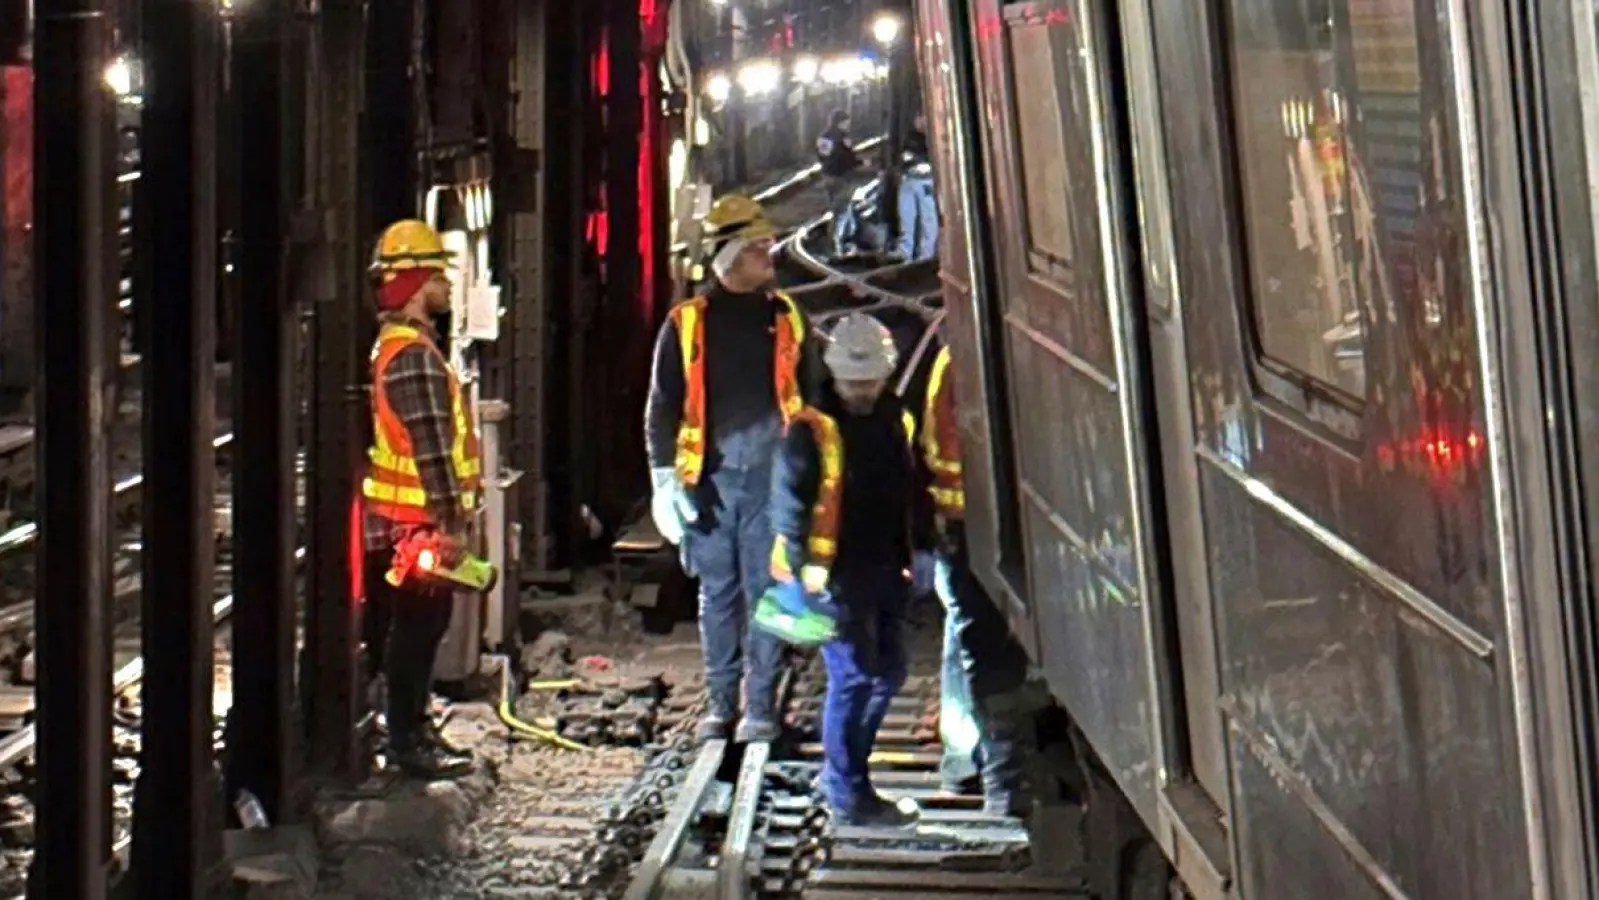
x=731 y=369
x=837 y=157
x=424 y=474
x=983 y=665
x=918 y=201
x=841 y=513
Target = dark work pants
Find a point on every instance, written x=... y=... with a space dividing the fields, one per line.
x=402 y=628
x=730 y=549
x=866 y=667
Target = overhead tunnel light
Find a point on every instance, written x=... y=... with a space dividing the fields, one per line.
x=886 y=28
x=846 y=70
x=119 y=76
x=718 y=87
x=806 y=68
x=758 y=78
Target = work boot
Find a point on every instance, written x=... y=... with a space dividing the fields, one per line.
x=714 y=726
x=962 y=787
x=433 y=735
x=757 y=731
x=881 y=812
x=425 y=761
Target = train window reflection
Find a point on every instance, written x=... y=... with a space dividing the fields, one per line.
x=1330 y=138
x=1041 y=133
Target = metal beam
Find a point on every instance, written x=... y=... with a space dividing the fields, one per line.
x=528 y=197
x=73 y=191
x=265 y=335
x=329 y=688
x=177 y=209
x=624 y=376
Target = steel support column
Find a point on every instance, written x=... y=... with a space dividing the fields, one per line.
x=389 y=161
x=901 y=95
x=624 y=332
x=341 y=321
x=73 y=190
x=173 y=825
x=529 y=197
x=265 y=333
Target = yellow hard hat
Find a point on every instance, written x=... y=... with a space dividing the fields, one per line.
x=409 y=244
x=736 y=217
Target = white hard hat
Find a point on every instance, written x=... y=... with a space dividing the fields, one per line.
x=860 y=348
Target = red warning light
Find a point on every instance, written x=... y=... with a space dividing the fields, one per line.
x=426 y=560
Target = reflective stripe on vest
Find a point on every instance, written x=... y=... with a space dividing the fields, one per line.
x=689 y=318
x=393 y=486
x=941 y=446
x=821 y=545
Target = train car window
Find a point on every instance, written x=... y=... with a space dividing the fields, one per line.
x=1329 y=137
x=1041 y=133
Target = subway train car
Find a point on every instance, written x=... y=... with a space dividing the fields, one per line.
x=1276 y=325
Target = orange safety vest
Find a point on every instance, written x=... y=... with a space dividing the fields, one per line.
x=689 y=319
x=821 y=545
x=392 y=487
x=941 y=442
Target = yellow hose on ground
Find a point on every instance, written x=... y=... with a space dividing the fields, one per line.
x=559 y=684
x=518 y=726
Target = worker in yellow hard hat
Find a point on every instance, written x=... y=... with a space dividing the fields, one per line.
x=728 y=376
x=424 y=476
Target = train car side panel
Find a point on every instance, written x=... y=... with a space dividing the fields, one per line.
x=1322 y=242
x=1080 y=472
x=946 y=49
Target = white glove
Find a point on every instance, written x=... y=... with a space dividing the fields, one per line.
x=670 y=506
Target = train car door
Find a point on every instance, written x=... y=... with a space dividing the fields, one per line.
x=1195 y=798
x=1071 y=348
x=966 y=269
x=1346 y=311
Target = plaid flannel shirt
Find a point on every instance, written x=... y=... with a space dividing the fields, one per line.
x=417 y=383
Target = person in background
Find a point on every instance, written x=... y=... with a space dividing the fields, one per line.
x=731 y=369
x=424 y=474
x=918 y=204
x=984 y=668
x=836 y=155
x=841 y=504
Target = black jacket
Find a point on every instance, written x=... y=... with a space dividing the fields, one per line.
x=835 y=153
x=741 y=398
x=879 y=484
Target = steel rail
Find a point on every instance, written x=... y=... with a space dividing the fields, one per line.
x=18 y=746
x=788 y=185
x=669 y=841
x=24 y=535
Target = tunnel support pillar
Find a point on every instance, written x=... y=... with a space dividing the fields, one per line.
x=340 y=325
x=260 y=745
x=175 y=829
x=75 y=182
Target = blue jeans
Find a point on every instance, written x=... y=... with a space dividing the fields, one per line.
x=918 y=219
x=840 y=197
x=729 y=549
x=980 y=662
x=865 y=668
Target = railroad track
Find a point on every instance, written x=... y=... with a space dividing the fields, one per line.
x=746 y=821
x=16 y=748
x=17 y=733
x=17 y=576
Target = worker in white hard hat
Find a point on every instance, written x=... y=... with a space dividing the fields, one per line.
x=842 y=492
